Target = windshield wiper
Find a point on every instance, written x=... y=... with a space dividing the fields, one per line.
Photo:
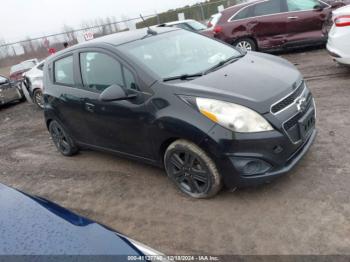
x=222 y=63
x=182 y=77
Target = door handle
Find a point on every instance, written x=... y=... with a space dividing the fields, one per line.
x=90 y=107
x=293 y=17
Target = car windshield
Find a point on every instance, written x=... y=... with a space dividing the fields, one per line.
x=178 y=53
x=196 y=25
x=16 y=68
x=28 y=64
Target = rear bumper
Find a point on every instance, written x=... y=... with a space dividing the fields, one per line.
x=338 y=45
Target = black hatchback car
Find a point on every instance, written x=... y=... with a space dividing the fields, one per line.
x=210 y=114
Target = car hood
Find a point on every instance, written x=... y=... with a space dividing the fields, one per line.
x=34 y=226
x=256 y=80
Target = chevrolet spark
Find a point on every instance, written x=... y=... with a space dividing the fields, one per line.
x=211 y=115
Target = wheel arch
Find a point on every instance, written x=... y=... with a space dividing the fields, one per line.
x=250 y=37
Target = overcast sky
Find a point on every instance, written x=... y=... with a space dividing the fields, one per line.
x=22 y=18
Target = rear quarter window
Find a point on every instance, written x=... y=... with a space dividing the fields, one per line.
x=244 y=13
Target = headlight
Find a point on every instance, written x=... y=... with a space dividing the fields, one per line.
x=234 y=117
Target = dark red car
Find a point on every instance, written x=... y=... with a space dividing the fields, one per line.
x=275 y=24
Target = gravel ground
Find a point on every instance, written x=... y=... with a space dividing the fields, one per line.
x=305 y=212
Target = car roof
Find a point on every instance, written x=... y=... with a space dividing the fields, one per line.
x=127 y=36
x=116 y=39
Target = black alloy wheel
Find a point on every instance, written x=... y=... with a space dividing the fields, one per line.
x=192 y=170
x=62 y=141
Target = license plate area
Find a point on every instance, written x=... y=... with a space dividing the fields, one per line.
x=307 y=124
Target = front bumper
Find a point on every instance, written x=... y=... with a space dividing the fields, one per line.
x=277 y=172
x=251 y=159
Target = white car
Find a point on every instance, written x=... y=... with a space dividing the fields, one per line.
x=32 y=85
x=213 y=20
x=339 y=37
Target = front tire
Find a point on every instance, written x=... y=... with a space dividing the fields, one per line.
x=246 y=44
x=192 y=170
x=63 y=142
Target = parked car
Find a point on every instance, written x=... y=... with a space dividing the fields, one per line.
x=32 y=225
x=9 y=91
x=17 y=71
x=275 y=24
x=213 y=20
x=209 y=113
x=339 y=37
x=191 y=25
x=32 y=85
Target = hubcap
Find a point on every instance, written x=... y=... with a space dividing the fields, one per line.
x=39 y=99
x=244 y=45
x=59 y=138
x=189 y=172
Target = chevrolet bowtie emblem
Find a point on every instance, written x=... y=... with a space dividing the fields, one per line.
x=301 y=104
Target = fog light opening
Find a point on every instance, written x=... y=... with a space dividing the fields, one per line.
x=251 y=167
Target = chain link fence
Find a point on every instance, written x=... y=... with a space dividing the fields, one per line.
x=40 y=47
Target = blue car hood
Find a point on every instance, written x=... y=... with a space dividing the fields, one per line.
x=34 y=226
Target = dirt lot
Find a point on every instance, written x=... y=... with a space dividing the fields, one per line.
x=305 y=212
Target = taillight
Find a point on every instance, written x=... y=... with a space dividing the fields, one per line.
x=217 y=29
x=342 y=21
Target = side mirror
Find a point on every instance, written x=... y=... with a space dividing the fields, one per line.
x=115 y=93
x=318 y=8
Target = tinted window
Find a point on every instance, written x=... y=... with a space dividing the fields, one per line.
x=244 y=13
x=196 y=25
x=268 y=8
x=183 y=26
x=64 y=71
x=301 y=5
x=100 y=71
x=41 y=67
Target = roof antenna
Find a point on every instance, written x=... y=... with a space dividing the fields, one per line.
x=149 y=30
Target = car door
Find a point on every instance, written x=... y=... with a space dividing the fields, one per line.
x=117 y=125
x=305 y=21
x=65 y=98
x=270 y=23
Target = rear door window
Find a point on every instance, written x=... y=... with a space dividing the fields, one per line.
x=244 y=13
x=268 y=8
x=64 y=71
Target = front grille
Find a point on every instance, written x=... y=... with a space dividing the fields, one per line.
x=292 y=125
x=289 y=99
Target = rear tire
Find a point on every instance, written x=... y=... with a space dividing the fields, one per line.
x=246 y=44
x=38 y=98
x=63 y=142
x=192 y=170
